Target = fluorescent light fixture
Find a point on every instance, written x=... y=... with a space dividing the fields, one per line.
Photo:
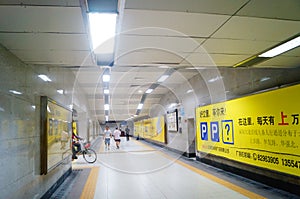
x=163 y=78
x=103 y=28
x=189 y=91
x=33 y=106
x=106 y=107
x=15 y=92
x=45 y=78
x=71 y=106
x=149 y=90
x=140 y=106
x=106 y=91
x=282 y=48
x=106 y=78
x=60 y=91
x=106 y=118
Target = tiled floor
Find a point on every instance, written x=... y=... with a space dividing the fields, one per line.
x=141 y=171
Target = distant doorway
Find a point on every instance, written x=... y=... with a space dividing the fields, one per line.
x=191 y=138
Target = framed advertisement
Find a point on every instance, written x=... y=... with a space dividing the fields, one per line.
x=55 y=132
x=172 y=120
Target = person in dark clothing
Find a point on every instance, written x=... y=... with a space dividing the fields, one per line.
x=127 y=130
x=75 y=145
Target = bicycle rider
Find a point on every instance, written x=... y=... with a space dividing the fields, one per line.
x=75 y=143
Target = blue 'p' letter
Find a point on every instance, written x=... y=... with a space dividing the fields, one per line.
x=203 y=130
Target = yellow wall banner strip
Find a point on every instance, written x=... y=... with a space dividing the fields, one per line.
x=262 y=130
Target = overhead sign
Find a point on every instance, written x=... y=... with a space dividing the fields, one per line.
x=262 y=130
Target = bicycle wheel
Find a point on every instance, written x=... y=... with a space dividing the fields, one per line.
x=89 y=155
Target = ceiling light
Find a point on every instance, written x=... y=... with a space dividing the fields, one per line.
x=149 y=90
x=163 y=78
x=60 y=91
x=102 y=28
x=106 y=118
x=140 y=106
x=106 y=107
x=106 y=78
x=106 y=91
x=15 y=92
x=189 y=91
x=282 y=48
x=33 y=106
x=45 y=78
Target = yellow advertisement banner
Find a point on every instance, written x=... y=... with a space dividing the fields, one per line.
x=152 y=129
x=262 y=130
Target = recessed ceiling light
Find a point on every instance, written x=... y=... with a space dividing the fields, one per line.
x=60 y=91
x=163 y=78
x=106 y=107
x=140 y=106
x=15 y=92
x=44 y=78
x=106 y=78
x=149 y=90
x=106 y=91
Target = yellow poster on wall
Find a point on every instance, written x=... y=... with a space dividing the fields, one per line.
x=152 y=129
x=262 y=130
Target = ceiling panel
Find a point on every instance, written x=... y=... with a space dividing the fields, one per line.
x=44 y=2
x=129 y=43
x=41 y=19
x=237 y=47
x=191 y=6
x=278 y=9
x=148 y=56
x=44 y=41
x=212 y=60
x=258 y=29
x=73 y=58
x=173 y=21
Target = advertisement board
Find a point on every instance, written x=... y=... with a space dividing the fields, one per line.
x=56 y=133
x=152 y=128
x=261 y=130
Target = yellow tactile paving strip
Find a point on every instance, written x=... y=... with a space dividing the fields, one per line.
x=227 y=184
x=89 y=189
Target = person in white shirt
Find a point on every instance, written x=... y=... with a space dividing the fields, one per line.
x=107 y=135
x=117 y=137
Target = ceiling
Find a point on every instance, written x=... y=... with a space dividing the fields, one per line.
x=153 y=36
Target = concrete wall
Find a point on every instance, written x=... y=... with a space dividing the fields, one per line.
x=19 y=124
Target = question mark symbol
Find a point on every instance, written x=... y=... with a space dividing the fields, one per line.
x=227 y=127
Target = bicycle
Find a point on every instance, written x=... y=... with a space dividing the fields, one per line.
x=89 y=155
